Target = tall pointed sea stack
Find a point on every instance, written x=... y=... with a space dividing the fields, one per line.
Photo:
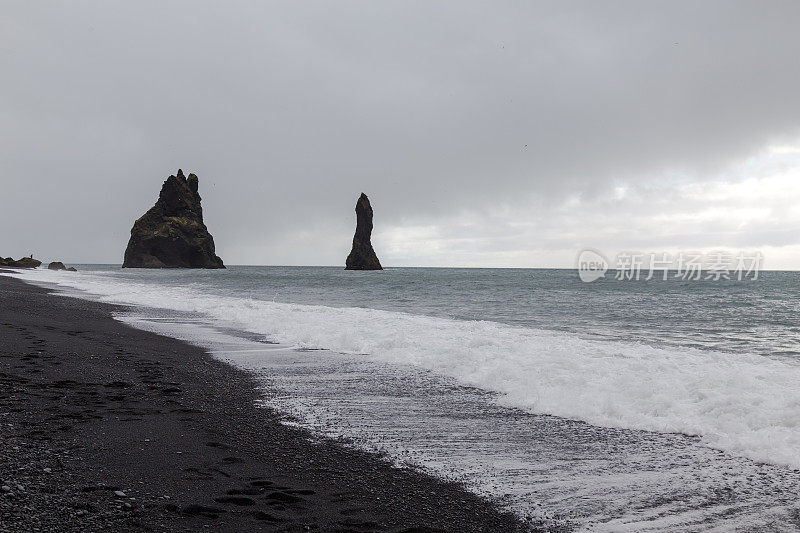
x=363 y=257
x=172 y=234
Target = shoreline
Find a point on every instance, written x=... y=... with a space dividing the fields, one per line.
x=103 y=426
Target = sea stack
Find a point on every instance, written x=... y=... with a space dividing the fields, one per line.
x=172 y=233
x=362 y=256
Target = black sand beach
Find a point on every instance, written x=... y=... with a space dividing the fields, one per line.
x=104 y=427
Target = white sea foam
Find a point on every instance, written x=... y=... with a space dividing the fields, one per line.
x=740 y=403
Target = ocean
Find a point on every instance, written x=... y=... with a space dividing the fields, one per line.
x=616 y=405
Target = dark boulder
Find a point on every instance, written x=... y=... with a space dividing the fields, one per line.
x=362 y=256
x=172 y=233
x=56 y=265
x=25 y=262
x=72 y=269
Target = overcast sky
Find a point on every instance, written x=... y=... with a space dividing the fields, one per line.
x=484 y=133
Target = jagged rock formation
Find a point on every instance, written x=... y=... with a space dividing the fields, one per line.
x=172 y=233
x=25 y=262
x=362 y=256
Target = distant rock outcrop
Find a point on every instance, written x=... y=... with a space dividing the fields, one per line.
x=362 y=256
x=25 y=262
x=172 y=233
x=58 y=265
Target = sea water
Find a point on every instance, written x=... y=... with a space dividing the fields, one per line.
x=612 y=405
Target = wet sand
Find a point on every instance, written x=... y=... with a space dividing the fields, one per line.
x=105 y=427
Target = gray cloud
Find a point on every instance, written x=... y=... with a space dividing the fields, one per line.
x=440 y=111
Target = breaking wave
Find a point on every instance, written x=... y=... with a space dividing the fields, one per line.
x=741 y=403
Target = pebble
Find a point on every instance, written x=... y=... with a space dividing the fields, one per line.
x=119 y=494
x=5 y=488
x=47 y=470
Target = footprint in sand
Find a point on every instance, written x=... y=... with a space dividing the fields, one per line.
x=236 y=500
x=201 y=510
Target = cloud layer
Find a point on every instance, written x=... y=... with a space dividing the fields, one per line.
x=485 y=134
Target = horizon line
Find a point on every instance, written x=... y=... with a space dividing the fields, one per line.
x=403 y=266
